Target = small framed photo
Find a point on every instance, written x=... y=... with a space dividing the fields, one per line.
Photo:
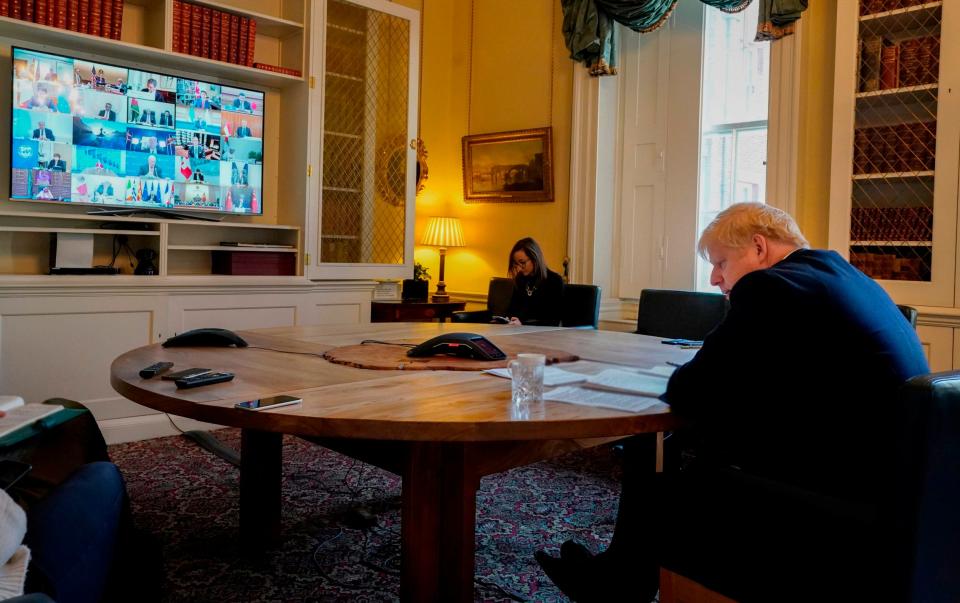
x=508 y=167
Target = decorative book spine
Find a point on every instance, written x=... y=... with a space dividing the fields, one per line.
x=910 y=68
x=15 y=10
x=185 y=22
x=215 y=35
x=40 y=12
x=84 y=23
x=106 y=19
x=5 y=8
x=196 y=30
x=205 y=32
x=889 y=66
x=234 y=44
x=930 y=60
x=870 y=59
x=244 y=34
x=60 y=14
x=251 y=42
x=96 y=13
x=73 y=15
x=51 y=13
x=224 y=37
x=177 y=22
x=117 y=25
x=26 y=9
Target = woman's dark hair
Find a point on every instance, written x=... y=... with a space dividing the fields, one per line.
x=533 y=251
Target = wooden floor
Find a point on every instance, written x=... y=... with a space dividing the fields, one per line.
x=674 y=588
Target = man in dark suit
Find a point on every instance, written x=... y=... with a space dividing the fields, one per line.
x=243 y=130
x=796 y=386
x=242 y=104
x=148 y=116
x=195 y=148
x=107 y=113
x=42 y=132
x=151 y=169
x=166 y=119
x=57 y=164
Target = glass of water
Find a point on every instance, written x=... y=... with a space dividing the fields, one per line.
x=526 y=377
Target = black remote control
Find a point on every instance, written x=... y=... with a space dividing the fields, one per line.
x=204 y=379
x=155 y=369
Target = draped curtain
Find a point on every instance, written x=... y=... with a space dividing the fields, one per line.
x=590 y=34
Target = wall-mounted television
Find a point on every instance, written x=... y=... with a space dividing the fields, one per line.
x=87 y=132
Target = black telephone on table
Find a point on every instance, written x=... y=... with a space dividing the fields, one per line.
x=469 y=345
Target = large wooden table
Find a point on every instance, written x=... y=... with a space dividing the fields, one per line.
x=441 y=431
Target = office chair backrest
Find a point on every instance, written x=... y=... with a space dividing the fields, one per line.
x=580 y=306
x=498 y=295
x=910 y=314
x=679 y=314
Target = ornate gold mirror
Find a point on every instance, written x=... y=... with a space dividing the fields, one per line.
x=392 y=173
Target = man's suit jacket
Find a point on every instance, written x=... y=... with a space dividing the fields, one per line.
x=148 y=116
x=47 y=133
x=166 y=119
x=144 y=170
x=196 y=151
x=57 y=166
x=243 y=132
x=107 y=115
x=799 y=381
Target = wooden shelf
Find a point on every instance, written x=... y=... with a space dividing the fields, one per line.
x=895 y=175
x=344 y=76
x=33 y=35
x=346 y=29
x=343 y=135
x=340 y=237
x=921 y=17
x=896 y=92
x=336 y=189
x=891 y=243
x=229 y=248
x=105 y=231
x=268 y=25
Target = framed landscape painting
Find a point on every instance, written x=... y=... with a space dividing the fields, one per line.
x=512 y=166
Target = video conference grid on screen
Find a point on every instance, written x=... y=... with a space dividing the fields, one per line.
x=89 y=132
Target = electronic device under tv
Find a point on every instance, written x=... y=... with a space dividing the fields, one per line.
x=128 y=140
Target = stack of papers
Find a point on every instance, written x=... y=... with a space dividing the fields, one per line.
x=24 y=414
x=601 y=399
x=628 y=382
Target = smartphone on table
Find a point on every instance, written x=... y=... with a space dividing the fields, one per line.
x=265 y=403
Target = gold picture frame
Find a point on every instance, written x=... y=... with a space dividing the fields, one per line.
x=508 y=167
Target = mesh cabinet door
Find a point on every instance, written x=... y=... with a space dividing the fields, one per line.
x=366 y=182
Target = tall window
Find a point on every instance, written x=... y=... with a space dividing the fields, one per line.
x=733 y=119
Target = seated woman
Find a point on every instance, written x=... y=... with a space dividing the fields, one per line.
x=537 y=290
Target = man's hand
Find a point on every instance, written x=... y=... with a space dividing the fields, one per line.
x=514 y=321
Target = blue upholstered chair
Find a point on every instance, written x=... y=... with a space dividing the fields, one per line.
x=756 y=539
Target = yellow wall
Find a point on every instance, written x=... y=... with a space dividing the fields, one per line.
x=818 y=41
x=517 y=54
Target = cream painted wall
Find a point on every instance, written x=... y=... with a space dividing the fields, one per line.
x=517 y=54
x=816 y=119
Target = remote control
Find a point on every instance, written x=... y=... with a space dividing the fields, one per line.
x=155 y=369
x=205 y=379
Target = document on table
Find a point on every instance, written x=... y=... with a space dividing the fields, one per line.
x=25 y=414
x=552 y=375
x=601 y=399
x=661 y=370
x=628 y=382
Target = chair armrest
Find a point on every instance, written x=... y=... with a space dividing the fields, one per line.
x=471 y=316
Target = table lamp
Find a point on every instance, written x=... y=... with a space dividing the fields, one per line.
x=442 y=233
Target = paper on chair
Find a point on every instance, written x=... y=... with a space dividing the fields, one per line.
x=600 y=399
x=551 y=375
x=628 y=382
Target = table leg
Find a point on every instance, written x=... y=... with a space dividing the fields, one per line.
x=437 y=525
x=260 y=474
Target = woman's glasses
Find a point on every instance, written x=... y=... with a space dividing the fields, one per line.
x=520 y=263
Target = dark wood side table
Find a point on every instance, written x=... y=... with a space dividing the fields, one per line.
x=410 y=311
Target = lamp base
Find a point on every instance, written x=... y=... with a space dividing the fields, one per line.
x=440 y=298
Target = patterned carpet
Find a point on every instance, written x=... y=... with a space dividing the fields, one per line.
x=188 y=499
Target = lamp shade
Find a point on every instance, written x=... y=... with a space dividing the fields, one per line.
x=443 y=232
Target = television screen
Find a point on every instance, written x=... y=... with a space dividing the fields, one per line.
x=94 y=133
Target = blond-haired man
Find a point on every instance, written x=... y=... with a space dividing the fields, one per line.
x=796 y=387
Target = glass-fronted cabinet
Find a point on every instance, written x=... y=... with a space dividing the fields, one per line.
x=365 y=86
x=894 y=188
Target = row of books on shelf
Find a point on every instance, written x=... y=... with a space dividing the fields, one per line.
x=885 y=65
x=891 y=224
x=213 y=34
x=899 y=148
x=102 y=18
x=869 y=7
x=890 y=267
